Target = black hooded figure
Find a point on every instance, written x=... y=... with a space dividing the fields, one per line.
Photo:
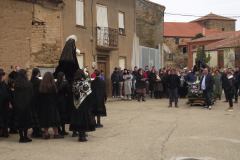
x=68 y=63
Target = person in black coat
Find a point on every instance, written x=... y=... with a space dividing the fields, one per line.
x=63 y=102
x=237 y=83
x=22 y=116
x=82 y=117
x=115 y=81
x=14 y=74
x=206 y=84
x=141 y=85
x=5 y=105
x=100 y=95
x=47 y=108
x=224 y=83
x=173 y=83
x=37 y=132
x=151 y=74
x=230 y=90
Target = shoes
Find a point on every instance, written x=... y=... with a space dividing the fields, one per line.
x=75 y=134
x=58 y=136
x=121 y=96
x=176 y=106
x=206 y=107
x=226 y=101
x=47 y=137
x=36 y=135
x=230 y=109
x=210 y=107
x=26 y=140
x=169 y=106
x=99 y=125
x=138 y=100
x=82 y=137
x=21 y=140
x=112 y=96
x=144 y=100
x=235 y=102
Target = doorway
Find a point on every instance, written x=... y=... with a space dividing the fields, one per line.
x=102 y=66
x=220 y=58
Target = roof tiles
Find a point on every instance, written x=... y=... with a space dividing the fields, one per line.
x=212 y=16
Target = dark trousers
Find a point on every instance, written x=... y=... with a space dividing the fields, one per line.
x=226 y=96
x=207 y=94
x=173 y=94
x=182 y=92
x=236 y=88
x=115 y=89
x=230 y=98
x=157 y=94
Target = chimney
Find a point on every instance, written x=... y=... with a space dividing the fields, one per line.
x=203 y=31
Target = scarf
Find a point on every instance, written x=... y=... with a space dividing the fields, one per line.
x=182 y=81
x=158 y=78
x=81 y=89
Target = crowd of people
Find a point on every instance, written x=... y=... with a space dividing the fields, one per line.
x=172 y=84
x=44 y=103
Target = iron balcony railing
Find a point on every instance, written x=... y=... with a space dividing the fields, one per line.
x=107 y=37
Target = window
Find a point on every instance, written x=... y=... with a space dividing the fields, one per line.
x=102 y=26
x=121 y=23
x=43 y=70
x=80 y=59
x=122 y=63
x=184 y=49
x=193 y=47
x=80 y=12
x=223 y=29
x=177 y=41
x=204 y=23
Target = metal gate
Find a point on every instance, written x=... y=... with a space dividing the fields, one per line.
x=150 y=57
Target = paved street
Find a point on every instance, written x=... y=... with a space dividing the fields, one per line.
x=143 y=131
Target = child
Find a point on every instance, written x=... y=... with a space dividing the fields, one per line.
x=230 y=90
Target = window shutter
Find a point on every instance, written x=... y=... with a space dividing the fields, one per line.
x=120 y=20
x=80 y=12
x=102 y=17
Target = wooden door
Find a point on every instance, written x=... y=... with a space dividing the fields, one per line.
x=220 y=58
x=237 y=56
x=102 y=66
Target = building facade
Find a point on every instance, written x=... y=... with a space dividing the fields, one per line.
x=105 y=31
x=30 y=34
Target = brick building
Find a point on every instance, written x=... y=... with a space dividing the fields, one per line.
x=213 y=21
x=176 y=34
x=211 y=42
x=30 y=34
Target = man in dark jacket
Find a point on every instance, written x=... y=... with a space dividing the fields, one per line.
x=115 y=82
x=190 y=77
x=148 y=76
x=14 y=74
x=237 y=83
x=224 y=83
x=100 y=95
x=230 y=90
x=173 y=82
x=206 y=84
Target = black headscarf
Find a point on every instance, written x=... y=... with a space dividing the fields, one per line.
x=68 y=63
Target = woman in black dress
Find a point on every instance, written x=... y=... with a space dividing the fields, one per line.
x=22 y=116
x=82 y=118
x=63 y=102
x=141 y=85
x=47 y=107
x=37 y=132
x=5 y=105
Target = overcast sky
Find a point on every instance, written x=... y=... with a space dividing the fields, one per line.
x=225 y=8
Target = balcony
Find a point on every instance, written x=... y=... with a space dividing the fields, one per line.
x=107 y=39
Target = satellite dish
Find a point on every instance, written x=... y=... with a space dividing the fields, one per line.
x=72 y=37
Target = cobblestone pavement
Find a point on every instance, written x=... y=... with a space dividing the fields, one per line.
x=146 y=130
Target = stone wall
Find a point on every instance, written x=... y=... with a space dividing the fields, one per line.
x=30 y=35
x=149 y=23
x=219 y=24
x=173 y=47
